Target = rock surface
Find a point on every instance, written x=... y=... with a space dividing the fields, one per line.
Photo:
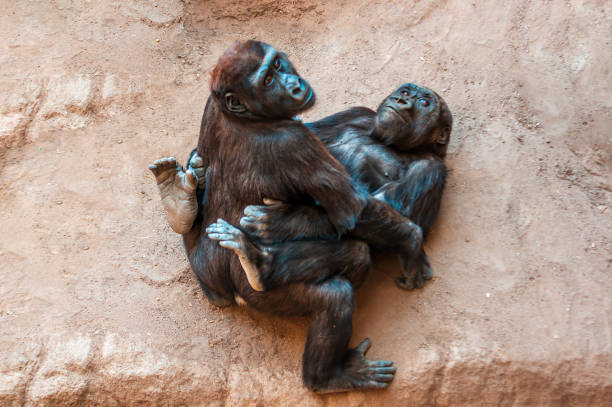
x=98 y=305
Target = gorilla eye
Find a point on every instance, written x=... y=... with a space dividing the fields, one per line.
x=276 y=63
x=268 y=80
x=424 y=102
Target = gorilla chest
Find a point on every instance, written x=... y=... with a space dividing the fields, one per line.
x=371 y=164
x=375 y=172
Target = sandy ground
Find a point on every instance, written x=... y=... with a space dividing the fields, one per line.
x=97 y=302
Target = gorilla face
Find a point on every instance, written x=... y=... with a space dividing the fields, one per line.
x=274 y=89
x=412 y=116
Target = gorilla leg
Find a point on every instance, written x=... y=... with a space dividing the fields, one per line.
x=384 y=228
x=268 y=266
x=316 y=261
x=178 y=189
x=200 y=256
x=378 y=224
x=418 y=194
x=328 y=364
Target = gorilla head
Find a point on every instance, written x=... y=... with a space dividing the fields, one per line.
x=414 y=117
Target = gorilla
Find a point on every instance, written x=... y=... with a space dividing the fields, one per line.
x=251 y=147
x=394 y=153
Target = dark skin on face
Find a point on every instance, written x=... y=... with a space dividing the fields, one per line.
x=275 y=90
x=408 y=118
x=250 y=148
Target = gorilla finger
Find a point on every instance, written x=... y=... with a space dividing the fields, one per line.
x=229 y=231
x=215 y=227
x=364 y=346
x=404 y=283
x=192 y=179
x=383 y=377
x=219 y=236
x=167 y=162
x=248 y=222
x=381 y=364
x=229 y=244
x=223 y=222
x=377 y=385
x=383 y=370
x=254 y=210
x=220 y=223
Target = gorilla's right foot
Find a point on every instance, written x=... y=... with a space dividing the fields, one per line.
x=178 y=193
x=358 y=372
x=250 y=256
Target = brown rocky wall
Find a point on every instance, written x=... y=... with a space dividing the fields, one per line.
x=98 y=305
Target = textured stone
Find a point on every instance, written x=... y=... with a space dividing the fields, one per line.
x=62 y=369
x=18 y=112
x=68 y=95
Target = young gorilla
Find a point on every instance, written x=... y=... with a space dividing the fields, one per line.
x=395 y=153
x=251 y=148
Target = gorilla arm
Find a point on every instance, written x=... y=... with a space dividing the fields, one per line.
x=311 y=171
x=277 y=221
x=417 y=194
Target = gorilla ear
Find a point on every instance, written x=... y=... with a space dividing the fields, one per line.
x=442 y=135
x=232 y=103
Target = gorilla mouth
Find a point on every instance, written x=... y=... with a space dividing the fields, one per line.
x=396 y=112
x=307 y=99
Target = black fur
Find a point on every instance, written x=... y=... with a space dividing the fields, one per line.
x=411 y=182
x=254 y=154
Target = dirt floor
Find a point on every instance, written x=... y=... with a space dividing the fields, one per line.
x=97 y=302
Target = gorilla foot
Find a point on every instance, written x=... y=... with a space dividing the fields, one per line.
x=178 y=193
x=414 y=272
x=235 y=239
x=359 y=373
x=196 y=164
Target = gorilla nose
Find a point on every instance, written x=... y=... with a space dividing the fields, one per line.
x=297 y=90
x=403 y=103
x=295 y=86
